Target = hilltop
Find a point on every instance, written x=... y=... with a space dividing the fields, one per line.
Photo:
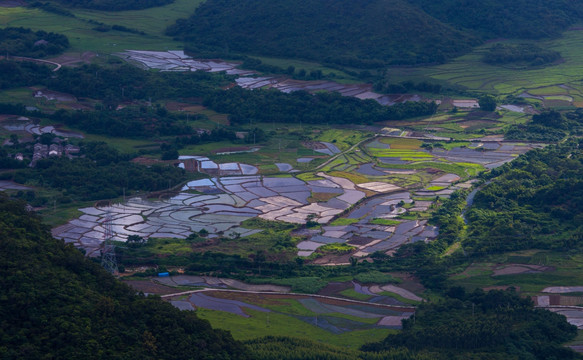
x=370 y=33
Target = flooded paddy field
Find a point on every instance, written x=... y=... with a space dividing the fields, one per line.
x=219 y=206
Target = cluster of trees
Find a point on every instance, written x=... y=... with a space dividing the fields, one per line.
x=300 y=106
x=51 y=8
x=363 y=35
x=548 y=126
x=494 y=325
x=383 y=84
x=102 y=173
x=113 y=5
x=25 y=73
x=128 y=122
x=536 y=201
x=113 y=84
x=372 y=34
x=529 y=54
x=25 y=42
x=56 y=303
x=126 y=82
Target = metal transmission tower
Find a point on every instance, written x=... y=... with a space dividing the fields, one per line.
x=108 y=260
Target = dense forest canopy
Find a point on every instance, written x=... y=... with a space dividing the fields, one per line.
x=536 y=201
x=494 y=325
x=25 y=42
x=368 y=33
x=361 y=34
x=524 y=19
x=57 y=304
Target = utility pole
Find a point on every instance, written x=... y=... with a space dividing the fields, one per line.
x=108 y=259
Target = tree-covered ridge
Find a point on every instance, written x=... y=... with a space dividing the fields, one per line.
x=494 y=325
x=300 y=106
x=548 y=126
x=368 y=33
x=25 y=42
x=114 y=5
x=524 y=19
x=57 y=304
x=536 y=201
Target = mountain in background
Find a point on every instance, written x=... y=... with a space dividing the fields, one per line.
x=368 y=33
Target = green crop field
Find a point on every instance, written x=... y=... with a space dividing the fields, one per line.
x=470 y=72
x=261 y=324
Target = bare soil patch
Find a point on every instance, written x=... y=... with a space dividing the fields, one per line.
x=332 y=259
x=150 y=287
x=334 y=288
x=314 y=145
x=74 y=59
x=512 y=269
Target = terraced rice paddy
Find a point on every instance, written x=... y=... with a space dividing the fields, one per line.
x=219 y=208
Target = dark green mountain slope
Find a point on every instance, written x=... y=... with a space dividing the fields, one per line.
x=536 y=201
x=56 y=304
x=355 y=33
x=526 y=19
x=368 y=33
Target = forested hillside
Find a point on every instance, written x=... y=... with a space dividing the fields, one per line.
x=525 y=19
x=536 y=201
x=368 y=33
x=493 y=325
x=25 y=42
x=362 y=34
x=57 y=304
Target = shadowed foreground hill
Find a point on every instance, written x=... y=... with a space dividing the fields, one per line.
x=56 y=304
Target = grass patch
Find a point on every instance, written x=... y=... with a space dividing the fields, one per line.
x=402 y=143
x=343 y=222
x=436 y=188
x=263 y=324
x=376 y=277
x=387 y=222
x=351 y=293
x=343 y=139
x=309 y=176
x=336 y=248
